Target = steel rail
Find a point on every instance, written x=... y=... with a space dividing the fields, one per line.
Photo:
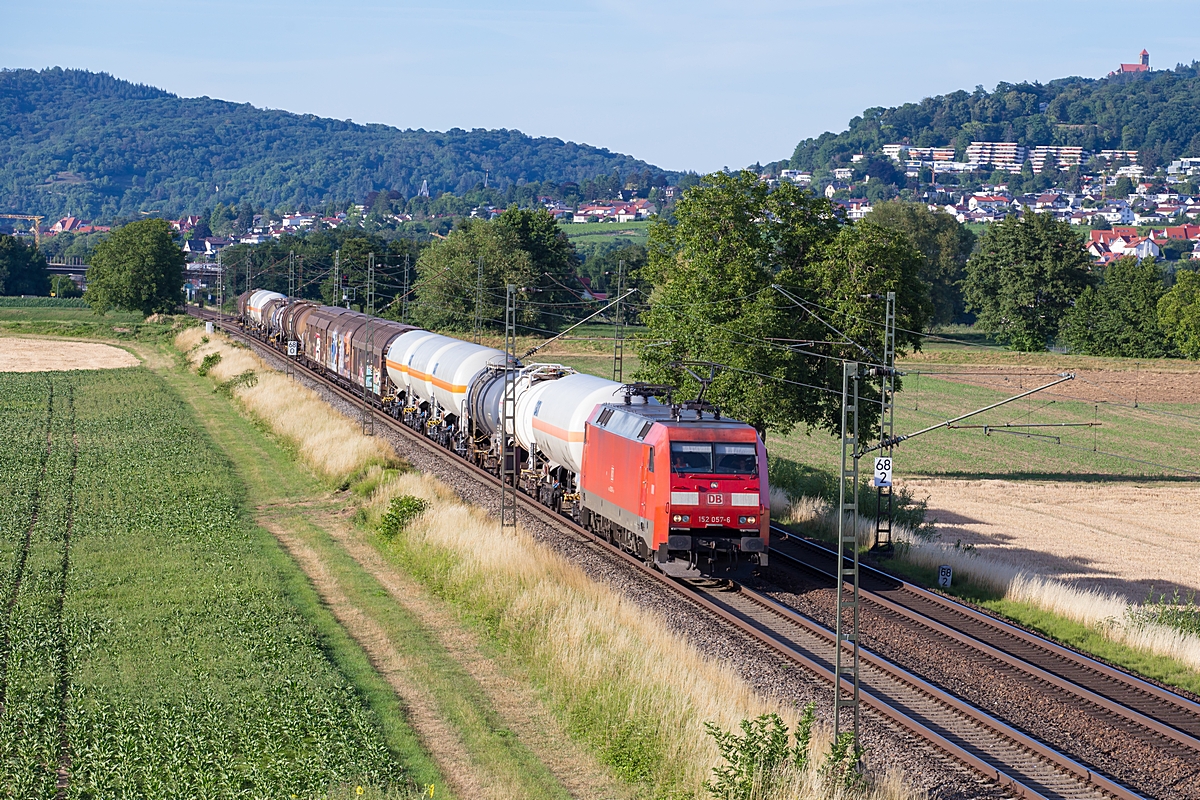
x=901 y=676
x=1086 y=778
x=1126 y=681
x=1082 y=693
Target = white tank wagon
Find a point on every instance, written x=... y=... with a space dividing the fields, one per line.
x=551 y=415
x=406 y=370
x=257 y=304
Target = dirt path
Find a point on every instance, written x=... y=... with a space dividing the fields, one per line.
x=516 y=703
x=1117 y=537
x=18 y=354
x=440 y=739
x=520 y=707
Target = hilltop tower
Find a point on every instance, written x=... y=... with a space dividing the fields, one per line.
x=1143 y=65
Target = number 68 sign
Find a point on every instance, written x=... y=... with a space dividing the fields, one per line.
x=883 y=472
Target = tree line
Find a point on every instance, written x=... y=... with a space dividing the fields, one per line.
x=1033 y=285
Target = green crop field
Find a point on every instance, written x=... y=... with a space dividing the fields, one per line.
x=149 y=643
x=601 y=232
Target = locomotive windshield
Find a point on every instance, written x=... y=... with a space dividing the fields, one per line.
x=714 y=458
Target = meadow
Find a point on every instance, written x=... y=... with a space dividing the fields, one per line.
x=588 y=234
x=153 y=643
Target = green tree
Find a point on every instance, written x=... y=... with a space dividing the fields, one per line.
x=1179 y=313
x=552 y=257
x=22 y=268
x=1122 y=188
x=944 y=244
x=222 y=218
x=447 y=278
x=1024 y=276
x=1119 y=317
x=713 y=299
x=138 y=268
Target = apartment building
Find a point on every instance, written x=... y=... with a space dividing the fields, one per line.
x=999 y=155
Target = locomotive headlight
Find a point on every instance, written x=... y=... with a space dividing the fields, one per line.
x=682 y=518
x=747 y=520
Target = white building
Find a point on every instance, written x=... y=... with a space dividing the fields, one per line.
x=796 y=176
x=999 y=155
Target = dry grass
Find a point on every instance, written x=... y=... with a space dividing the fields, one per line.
x=326 y=440
x=608 y=665
x=1109 y=612
x=1123 y=538
x=579 y=635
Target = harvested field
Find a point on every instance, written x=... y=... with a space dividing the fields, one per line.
x=1125 y=538
x=18 y=354
x=1127 y=386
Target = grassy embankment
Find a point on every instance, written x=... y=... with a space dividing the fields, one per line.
x=633 y=694
x=155 y=643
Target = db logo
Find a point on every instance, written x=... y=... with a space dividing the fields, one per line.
x=715 y=499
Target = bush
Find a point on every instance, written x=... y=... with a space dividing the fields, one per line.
x=247 y=378
x=210 y=361
x=763 y=763
x=402 y=511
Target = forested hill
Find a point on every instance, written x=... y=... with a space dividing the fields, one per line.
x=88 y=144
x=1156 y=113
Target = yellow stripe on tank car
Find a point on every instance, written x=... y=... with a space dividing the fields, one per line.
x=421 y=376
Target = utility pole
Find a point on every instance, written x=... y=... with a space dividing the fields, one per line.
x=479 y=302
x=337 y=277
x=508 y=452
x=884 y=509
x=370 y=371
x=220 y=290
x=618 y=333
x=300 y=275
x=404 y=296
x=847 y=539
x=291 y=273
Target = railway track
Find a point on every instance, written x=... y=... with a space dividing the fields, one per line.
x=1027 y=767
x=1147 y=710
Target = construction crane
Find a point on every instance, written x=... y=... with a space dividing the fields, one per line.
x=37 y=225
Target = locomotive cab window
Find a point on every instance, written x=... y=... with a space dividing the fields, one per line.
x=736 y=459
x=714 y=459
x=691 y=457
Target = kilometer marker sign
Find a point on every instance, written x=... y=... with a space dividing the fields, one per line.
x=883 y=472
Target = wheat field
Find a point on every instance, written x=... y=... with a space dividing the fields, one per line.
x=1117 y=538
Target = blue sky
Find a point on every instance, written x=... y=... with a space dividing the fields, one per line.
x=685 y=85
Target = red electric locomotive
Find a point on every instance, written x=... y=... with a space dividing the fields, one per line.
x=685 y=484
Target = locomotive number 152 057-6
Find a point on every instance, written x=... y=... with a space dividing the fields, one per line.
x=712 y=519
